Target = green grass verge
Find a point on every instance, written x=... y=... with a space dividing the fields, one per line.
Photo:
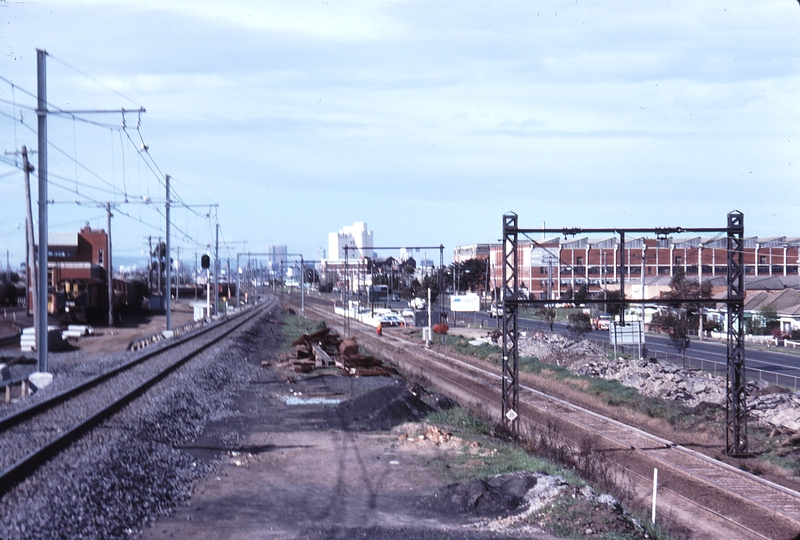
x=295 y=326
x=491 y=353
x=494 y=457
x=569 y=517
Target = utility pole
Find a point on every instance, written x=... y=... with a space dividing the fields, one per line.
x=158 y=268
x=168 y=277
x=150 y=264
x=178 y=275
x=194 y=280
x=238 y=280
x=216 y=273
x=32 y=278
x=110 y=271
x=41 y=114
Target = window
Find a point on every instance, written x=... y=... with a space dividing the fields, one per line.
x=580 y=260
x=100 y=256
x=762 y=259
x=678 y=260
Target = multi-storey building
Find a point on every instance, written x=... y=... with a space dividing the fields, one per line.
x=550 y=268
x=356 y=237
x=81 y=255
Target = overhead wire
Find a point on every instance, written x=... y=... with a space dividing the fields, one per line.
x=14 y=119
x=76 y=70
x=144 y=154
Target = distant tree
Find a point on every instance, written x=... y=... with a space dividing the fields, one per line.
x=548 y=313
x=612 y=307
x=567 y=294
x=763 y=321
x=579 y=325
x=470 y=275
x=682 y=313
x=581 y=294
x=420 y=289
x=675 y=324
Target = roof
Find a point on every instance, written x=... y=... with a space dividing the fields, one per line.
x=780 y=300
x=62 y=239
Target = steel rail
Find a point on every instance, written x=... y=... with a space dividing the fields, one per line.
x=643 y=479
x=24 y=467
x=20 y=416
x=763 y=493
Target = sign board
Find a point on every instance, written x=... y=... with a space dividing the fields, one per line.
x=466 y=302
x=537 y=256
x=630 y=334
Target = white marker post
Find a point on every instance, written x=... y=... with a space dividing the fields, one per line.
x=428 y=334
x=655 y=488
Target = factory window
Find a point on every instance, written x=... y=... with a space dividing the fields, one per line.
x=678 y=260
x=762 y=259
x=580 y=260
x=100 y=256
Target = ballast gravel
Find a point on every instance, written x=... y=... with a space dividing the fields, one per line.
x=129 y=471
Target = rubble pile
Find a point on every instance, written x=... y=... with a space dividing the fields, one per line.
x=325 y=348
x=555 y=348
x=775 y=406
x=766 y=405
x=656 y=379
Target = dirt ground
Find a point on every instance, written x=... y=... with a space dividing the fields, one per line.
x=105 y=340
x=324 y=456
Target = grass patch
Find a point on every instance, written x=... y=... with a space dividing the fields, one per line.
x=490 y=353
x=610 y=392
x=568 y=517
x=531 y=364
x=494 y=456
x=295 y=326
x=459 y=420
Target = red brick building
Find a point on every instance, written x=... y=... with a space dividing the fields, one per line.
x=571 y=263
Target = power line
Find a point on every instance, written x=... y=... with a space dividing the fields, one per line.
x=15 y=121
x=76 y=70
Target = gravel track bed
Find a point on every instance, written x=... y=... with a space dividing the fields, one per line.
x=129 y=471
x=72 y=368
x=24 y=438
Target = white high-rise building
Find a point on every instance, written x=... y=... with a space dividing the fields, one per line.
x=357 y=237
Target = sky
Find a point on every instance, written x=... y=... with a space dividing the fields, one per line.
x=286 y=120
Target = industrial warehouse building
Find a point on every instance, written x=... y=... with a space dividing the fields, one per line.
x=549 y=269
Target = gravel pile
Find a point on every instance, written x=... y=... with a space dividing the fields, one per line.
x=382 y=409
x=128 y=472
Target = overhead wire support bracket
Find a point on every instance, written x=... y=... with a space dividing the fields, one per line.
x=736 y=410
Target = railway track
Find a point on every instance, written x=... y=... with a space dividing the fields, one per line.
x=692 y=483
x=51 y=425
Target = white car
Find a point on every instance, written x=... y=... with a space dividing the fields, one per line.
x=392 y=320
x=408 y=312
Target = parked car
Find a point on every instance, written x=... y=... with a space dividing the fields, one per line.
x=602 y=321
x=392 y=320
x=495 y=311
x=408 y=312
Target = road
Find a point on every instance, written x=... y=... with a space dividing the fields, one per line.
x=781 y=367
x=771 y=365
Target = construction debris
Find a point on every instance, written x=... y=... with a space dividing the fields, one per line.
x=325 y=348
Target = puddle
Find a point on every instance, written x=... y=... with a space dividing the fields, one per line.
x=297 y=400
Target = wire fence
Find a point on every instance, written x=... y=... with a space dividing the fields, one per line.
x=719 y=369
